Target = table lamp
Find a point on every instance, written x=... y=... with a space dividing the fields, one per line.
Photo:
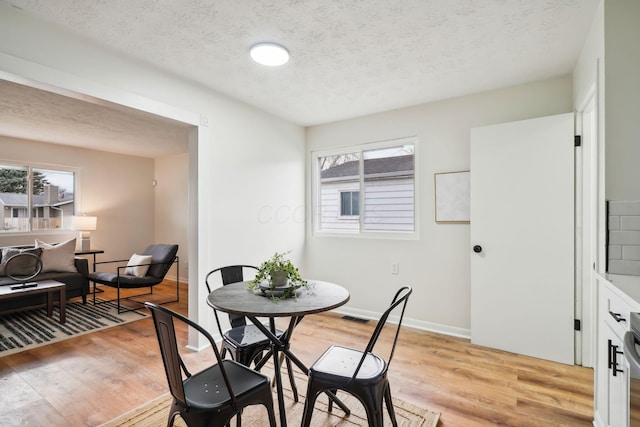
x=85 y=224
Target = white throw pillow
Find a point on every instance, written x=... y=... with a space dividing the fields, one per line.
x=136 y=260
x=60 y=257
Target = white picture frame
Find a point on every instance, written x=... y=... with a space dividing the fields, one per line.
x=452 y=197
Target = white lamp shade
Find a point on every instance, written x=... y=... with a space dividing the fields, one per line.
x=84 y=223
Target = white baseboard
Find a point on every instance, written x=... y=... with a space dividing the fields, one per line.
x=407 y=321
x=193 y=348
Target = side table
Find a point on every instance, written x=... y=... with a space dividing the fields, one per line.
x=93 y=252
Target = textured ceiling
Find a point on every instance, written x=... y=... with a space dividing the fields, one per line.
x=40 y=115
x=348 y=57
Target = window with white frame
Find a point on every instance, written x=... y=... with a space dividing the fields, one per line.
x=349 y=205
x=364 y=189
x=34 y=198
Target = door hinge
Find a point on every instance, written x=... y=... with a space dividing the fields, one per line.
x=576 y=325
x=577 y=140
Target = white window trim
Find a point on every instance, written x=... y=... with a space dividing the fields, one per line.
x=361 y=234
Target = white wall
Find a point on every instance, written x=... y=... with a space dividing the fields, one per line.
x=436 y=265
x=610 y=63
x=114 y=187
x=248 y=162
x=172 y=205
x=611 y=59
x=590 y=65
x=622 y=92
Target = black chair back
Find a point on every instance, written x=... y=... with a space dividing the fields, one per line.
x=399 y=303
x=173 y=364
x=230 y=274
x=332 y=371
x=162 y=257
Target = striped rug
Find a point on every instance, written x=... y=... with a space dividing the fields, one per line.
x=29 y=329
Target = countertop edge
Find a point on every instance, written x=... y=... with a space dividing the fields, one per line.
x=629 y=285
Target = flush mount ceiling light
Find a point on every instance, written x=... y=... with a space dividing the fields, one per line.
x=269 y=54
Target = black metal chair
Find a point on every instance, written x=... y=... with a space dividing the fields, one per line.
x=245 y=343
x=213 y=396
x=360 y=373
x=163 y=256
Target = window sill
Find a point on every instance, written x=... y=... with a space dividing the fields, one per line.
x=368 y=235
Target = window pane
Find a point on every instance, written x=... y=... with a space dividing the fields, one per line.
x=14 y=186
x=345 y=203
x=355 y=203
x=53 y=199
x=389 y=189
x=339 y=174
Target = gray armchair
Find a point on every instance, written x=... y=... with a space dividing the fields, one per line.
x=162 y=258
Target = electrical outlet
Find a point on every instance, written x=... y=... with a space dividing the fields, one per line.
x=395 y=268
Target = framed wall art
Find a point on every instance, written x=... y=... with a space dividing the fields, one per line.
x=452 y=191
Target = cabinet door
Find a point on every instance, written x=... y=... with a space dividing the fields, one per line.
x=618 y=383
x=601 y=398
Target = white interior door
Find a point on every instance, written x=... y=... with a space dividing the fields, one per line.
x=522 y=218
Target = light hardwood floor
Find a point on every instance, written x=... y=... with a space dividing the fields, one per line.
x=93 y=378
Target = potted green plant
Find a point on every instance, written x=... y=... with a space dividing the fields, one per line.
x=280 y=275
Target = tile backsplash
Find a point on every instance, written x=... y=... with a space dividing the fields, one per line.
x=623 y=254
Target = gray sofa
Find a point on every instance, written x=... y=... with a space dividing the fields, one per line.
x=77 y=286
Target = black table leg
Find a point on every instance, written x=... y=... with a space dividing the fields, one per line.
x=276 y=367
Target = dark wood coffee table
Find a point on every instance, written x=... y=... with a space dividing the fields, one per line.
x=48 y=287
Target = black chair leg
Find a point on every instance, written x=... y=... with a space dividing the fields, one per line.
x=334 y=391
x=313 y=390
x=373 y=406
x=268 y=399
x=173 y=412
x=390 y=409
x=118 y=298
x=257 y=358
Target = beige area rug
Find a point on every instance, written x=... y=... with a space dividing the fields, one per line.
x=156 y=412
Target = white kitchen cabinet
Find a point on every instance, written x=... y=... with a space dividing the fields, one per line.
x=617 y=297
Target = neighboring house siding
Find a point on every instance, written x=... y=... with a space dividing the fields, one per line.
x=47 y=214
x=331 y=219
x=386 y=202
x=388 y=205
